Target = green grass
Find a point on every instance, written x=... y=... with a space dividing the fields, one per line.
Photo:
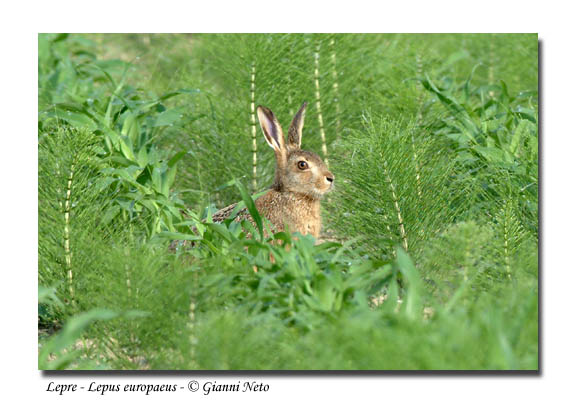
x=433 y=142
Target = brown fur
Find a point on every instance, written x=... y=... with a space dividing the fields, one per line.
x=299 y=212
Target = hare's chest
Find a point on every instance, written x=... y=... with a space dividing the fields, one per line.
x=313 y=228
x=306 y=221
x=297 y=212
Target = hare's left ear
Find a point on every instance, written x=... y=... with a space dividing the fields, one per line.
x=295 y=132
x=273 y=134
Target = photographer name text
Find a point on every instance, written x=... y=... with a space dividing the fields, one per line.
x=209 y=387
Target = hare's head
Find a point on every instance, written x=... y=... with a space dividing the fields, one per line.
x=298 y=171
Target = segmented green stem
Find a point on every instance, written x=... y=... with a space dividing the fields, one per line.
x=397 y=207
x=507 y=262
x=389 y=231
x=335 y=87
x=491 y=64
x=253 y=124
x=318 y=103
x=419 y=122
x=127 y=271
x=420 y=88
x=507 y=212
x=191 y=330
x=67 y=250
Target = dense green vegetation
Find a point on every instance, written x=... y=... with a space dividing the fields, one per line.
x=429 y=254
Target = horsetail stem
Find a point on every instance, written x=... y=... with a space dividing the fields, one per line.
x=127 y=271
x=318 y=103
x=335 y=87
x=397 y=207
x=507 y=260
x=506 y=236
x=419 y=122
x=67 y=250
x=491 y=64
x=253 y=124
x=192 y=338
x=389 y=231
x=419 y=87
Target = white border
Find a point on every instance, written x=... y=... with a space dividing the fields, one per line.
x=553 y=21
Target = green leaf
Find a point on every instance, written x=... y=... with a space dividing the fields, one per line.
x=327 y=294
x=71 y=332
x=178 y=92
x=168 y=181
x=312 y=302
x=459 y=112
x=176 y=158
x=78 y=120
x=521 y=131
x=142 y=157
x=110 y=214
x=220 y=229
x=177 y=236
x=249 y=202
x=60 y=37
x=126 y=148
x=48 y=296
x=156 y=179
x=494 y=155
x=413 y=305
x=167 y=118
x=131 y=128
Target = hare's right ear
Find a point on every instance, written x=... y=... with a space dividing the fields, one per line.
x=272 y=132
x=295 y=132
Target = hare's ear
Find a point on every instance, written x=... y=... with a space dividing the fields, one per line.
x=295 y=132
x=272 y=131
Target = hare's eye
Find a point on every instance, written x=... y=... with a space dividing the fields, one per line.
x=302 y=165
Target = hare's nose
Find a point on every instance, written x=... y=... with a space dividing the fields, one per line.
x=330 y=177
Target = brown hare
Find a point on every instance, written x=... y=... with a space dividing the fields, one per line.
x=301 y=180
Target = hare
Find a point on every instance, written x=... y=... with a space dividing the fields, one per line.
x=301 y=180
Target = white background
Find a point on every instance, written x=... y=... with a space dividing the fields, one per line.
x=553 y=20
